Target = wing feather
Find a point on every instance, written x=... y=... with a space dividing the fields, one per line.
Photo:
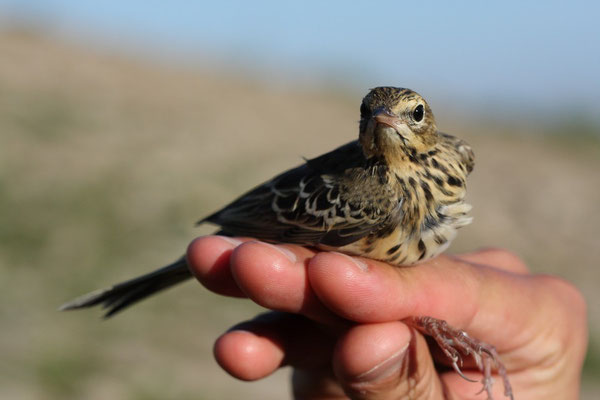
x=311 y=204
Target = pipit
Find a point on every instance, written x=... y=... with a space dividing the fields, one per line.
x=395 y=195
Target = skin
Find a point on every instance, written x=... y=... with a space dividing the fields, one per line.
x=341 y=329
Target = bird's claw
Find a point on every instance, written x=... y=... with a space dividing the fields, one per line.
x=454 y=342
x=458 y=371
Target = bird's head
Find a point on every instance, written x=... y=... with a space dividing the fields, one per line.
x=396 y=122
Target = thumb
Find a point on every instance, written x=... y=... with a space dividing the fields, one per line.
x=385 y=361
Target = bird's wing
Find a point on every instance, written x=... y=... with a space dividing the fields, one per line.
x=312 y=204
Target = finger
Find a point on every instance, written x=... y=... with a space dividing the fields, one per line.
x=459 y=388
x=308 y=384
x=498 y=258
x=386 y=361
x=208 y=260
x=254 y=349
x=274 y=276
x=470 y=297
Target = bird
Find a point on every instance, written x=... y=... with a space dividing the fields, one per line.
x=396 y=194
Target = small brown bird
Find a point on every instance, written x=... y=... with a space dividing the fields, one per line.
x=396 y=195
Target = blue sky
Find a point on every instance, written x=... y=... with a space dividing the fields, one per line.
x=523 y=54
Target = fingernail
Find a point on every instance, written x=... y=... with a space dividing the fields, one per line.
x=233 y=241
x=385 y=368
x=359 y=263
x=286 y=252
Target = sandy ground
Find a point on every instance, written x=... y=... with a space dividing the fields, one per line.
x=106 y=162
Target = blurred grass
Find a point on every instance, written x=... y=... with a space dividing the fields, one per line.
x=105 y=163
x=591 y=367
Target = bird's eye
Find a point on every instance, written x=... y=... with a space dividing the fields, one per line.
x=418 y=113
x=364 y=110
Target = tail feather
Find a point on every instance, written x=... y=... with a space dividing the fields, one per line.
x=122 y=295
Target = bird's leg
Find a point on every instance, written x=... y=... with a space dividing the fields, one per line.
x=454 y=342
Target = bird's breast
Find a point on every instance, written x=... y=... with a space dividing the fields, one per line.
x=403 y=246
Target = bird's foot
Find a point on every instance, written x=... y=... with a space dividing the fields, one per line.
x=454 y=342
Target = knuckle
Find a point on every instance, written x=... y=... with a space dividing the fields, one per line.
x=563 y=336
x=413 y=388
x=565 y=292
x=569 y=308
x=506 y=257
x=411 y=379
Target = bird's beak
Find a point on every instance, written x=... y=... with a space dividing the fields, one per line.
x=388 y=119
x=385 y=117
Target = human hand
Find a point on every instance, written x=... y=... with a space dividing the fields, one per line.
x=342 y=331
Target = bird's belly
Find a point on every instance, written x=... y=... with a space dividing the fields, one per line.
x=405 y=247
x=397 y=249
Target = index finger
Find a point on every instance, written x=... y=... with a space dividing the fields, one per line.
x=498 y=258
x=490 y=303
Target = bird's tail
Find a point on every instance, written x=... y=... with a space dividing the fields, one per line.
x=124 y=294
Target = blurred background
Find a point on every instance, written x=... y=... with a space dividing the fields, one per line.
x=122 y=123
